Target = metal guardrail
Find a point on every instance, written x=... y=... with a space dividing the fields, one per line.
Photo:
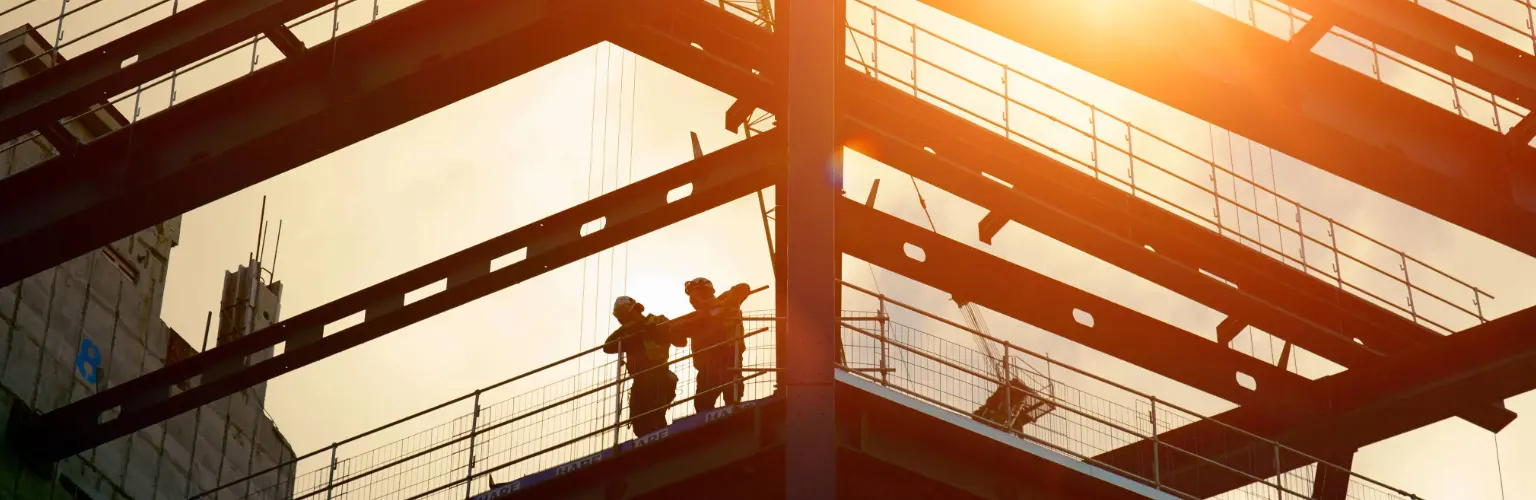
x=1084 y=424
x=1501 y=114
x=510 y=429
x=1369 y=271
x=145 y=100
x=1114 y=150
x=562 y=419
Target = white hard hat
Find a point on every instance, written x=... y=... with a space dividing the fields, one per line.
x=697 y=283
x=625 y=304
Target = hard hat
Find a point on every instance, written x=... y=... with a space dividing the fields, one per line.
x=697 y=284
x=625 y=304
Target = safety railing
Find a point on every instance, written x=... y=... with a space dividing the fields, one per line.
x=1492 y=18
x=510 y=429
x=579 y=416
x=1115 y=150
x=1086 y=416
x=164 y=92
x=1284 y=21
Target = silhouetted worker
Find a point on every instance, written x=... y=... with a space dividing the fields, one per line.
x=643 y=339
x=716 y=332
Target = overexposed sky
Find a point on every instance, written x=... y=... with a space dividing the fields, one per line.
x=530 y=147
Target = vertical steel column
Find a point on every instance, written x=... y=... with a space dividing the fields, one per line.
x=808 y=348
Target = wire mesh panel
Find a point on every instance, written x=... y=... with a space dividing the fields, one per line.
x=1207 y=187
x=533 y=423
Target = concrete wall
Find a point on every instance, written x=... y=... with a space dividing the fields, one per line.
x=111 y=298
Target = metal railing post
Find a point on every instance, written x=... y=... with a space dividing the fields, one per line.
x=1007 y=387
x=618 y=393
x=474 y=426
x=1408 y=283
x=330 y=482
x=1157 y=469
x=880 y=319
x=1280 y=490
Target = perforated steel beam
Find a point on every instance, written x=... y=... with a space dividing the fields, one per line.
x=137 y=57
x=1002 y=286
x=294 y=111
x=893 y=128
x=629 y=212
x=1433 y=39
x=1304 y=105
x=1362 y=406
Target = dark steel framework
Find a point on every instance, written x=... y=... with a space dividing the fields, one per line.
x=326 y=97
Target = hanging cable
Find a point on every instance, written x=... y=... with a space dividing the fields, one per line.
x=922 y=203
x=1499 y=463
x=629 y=174
x=581 y=310
x=618 y=141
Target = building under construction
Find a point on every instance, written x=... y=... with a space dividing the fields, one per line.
x=104 y=401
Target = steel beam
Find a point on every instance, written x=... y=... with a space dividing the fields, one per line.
x=1048 y=196
x=813 y=30
x=629 y=212
x=294 y=111
x=160 y=47
x=1304 y=105
x=1435 y=40
x=999 y=285
x=1363 y=406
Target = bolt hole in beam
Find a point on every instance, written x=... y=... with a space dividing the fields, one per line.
x=509 y=259
x=426 y=291
x=697 y=46
x=129 y=61
x=929 y=150
x=914 y=252
x=679 y=192
x=594 y=226
x=1247 y=381
x=1082 y=317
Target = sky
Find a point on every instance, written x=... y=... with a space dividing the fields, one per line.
x=599 y=118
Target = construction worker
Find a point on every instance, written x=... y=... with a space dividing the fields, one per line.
x=716 y=332
x=642 y=341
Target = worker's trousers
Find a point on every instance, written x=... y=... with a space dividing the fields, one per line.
x=649 y=396
x=719 y=378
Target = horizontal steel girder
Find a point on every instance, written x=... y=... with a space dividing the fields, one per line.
x=167 y=44
x=1223 y=71
x=1049 y=197
x=999 y=285
x=285 y=115
x=1433 y=39
x=1493 y=361
x=629 y=212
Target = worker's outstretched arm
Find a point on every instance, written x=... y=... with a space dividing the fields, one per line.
x=735 y=296
x=611 y=346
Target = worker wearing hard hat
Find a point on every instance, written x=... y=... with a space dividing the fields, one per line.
x=716 y=333
x=642 y=340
